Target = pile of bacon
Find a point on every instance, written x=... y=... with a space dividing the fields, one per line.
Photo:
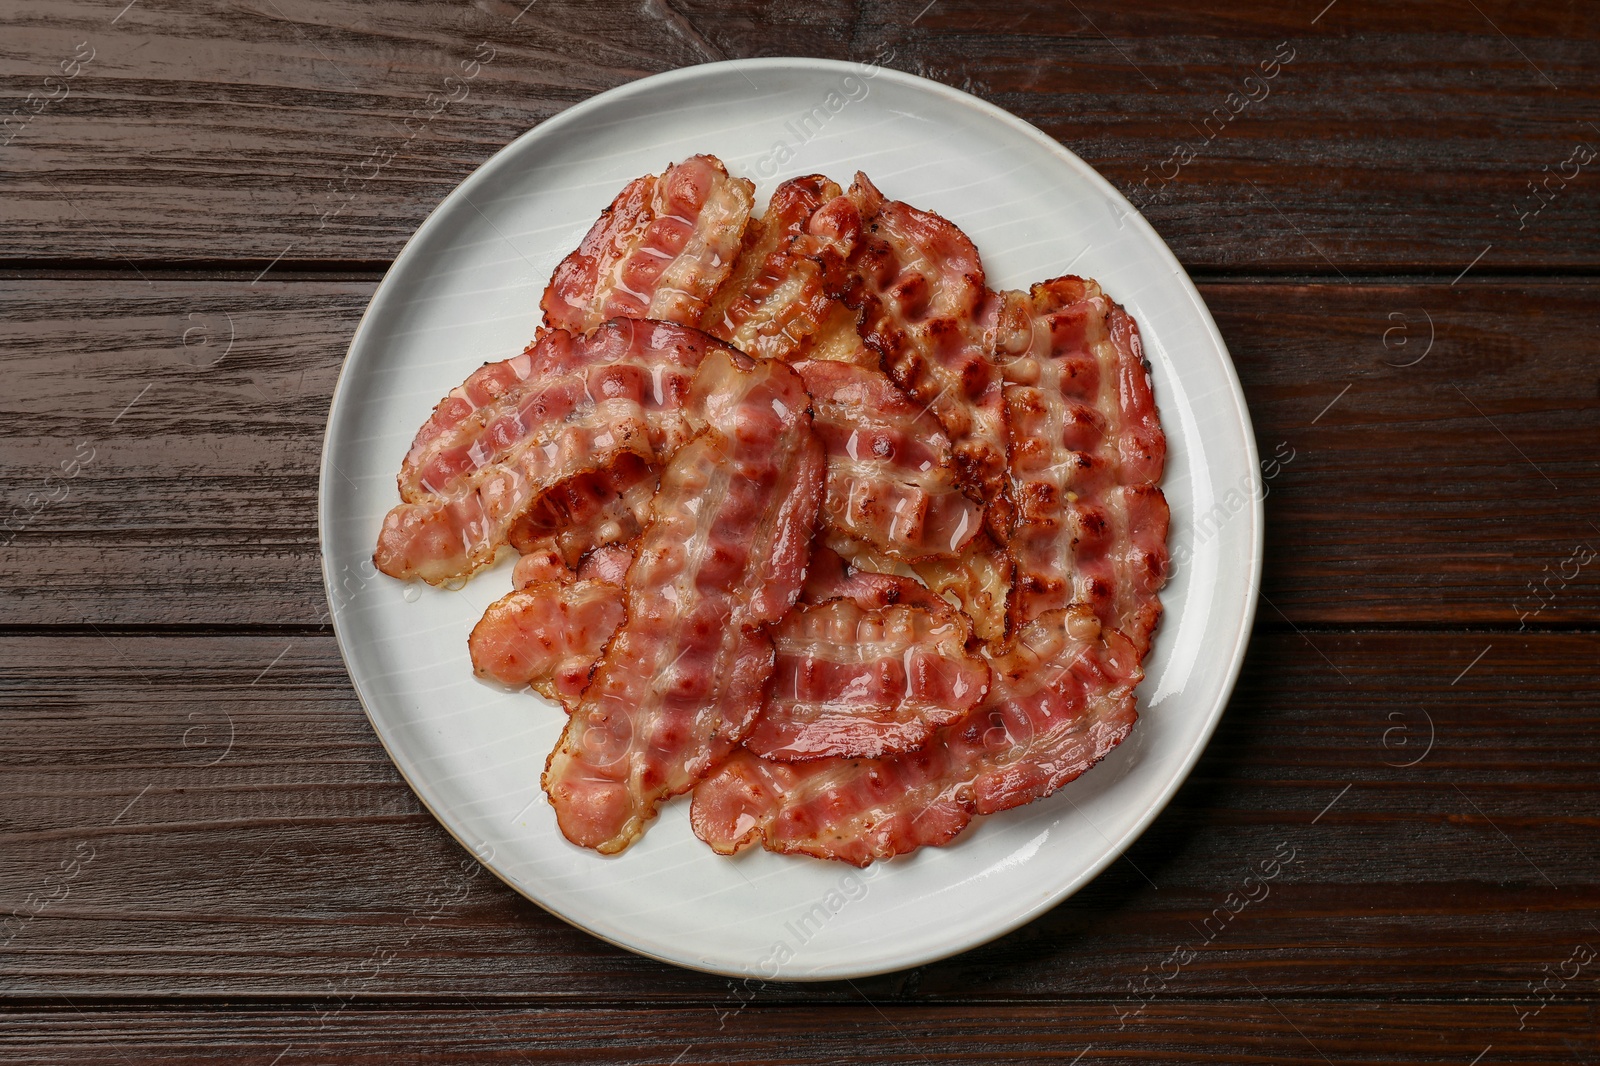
x=812 y=523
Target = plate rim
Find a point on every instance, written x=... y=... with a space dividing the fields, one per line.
x=956 y=97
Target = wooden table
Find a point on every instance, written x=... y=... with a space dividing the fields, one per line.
x=207 y=856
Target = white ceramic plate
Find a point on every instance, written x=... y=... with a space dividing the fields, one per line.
x=466 y=289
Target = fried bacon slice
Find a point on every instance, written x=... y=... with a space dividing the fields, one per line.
x=660 y=251
x=551 y=630
x=546 y=563
x=979 y=580
x=1087 y=453
x=926 y=311
x=776 y=299
x=783 y=299
x=892 y=483
x=830 y=576
x=547 y=634
x=523 y=428
x=725 y=554
x=540 y=563
x=1059 y=700
x=592 y=510
x=854 y=681
x=609 y=564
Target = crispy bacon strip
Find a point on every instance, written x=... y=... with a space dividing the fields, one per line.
x=854 y=681
x=442 y=453
x=836 y=339
x=1058 y=702
x=926 y=311
x=980 y=581
x=776 y=299
x=829 y=577
x=783 y=300
x=547 y=634
x=826 y=574
x=519 y=430
x=1086 y=454
x=725 y=553
x=538 y=564
x=659 y=251
x=863 y=557
x=609 y=564
x=608 y=506
x=552 y=629
x=891 y=480
x=831 y=236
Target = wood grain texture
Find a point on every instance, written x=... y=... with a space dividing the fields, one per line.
x=246 y=836
x=1401 y=136
x=1278 y=1031
x=1455 y=490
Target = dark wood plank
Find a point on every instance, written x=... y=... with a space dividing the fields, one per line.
x=1399 y=136
x=1457 y=479
x=1261 y=1030
x=285 y=864
x=198 y=406
x=1464 y=489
